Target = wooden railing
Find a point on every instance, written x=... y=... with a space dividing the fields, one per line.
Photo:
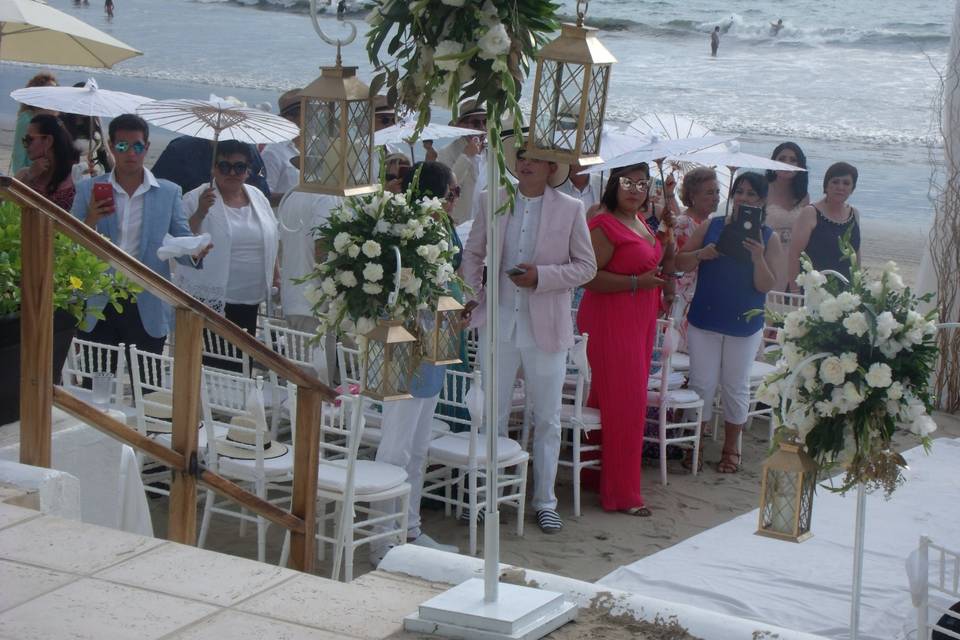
x=40 y=218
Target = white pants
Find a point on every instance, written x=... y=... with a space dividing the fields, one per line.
x=716 y=358
x=543 y=375
x=406 y=426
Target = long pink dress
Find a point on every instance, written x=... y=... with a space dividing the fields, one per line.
x=622 y=327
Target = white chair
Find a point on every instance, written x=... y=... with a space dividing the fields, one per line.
x=679 y=411
x=220 y=354
x=460 y=480
x=85 y=359
x=300 y=348
x=239 y=447
x=778 y=303
x=937 y=569
x=354 y=486
x=152 y=376
x=578 y=421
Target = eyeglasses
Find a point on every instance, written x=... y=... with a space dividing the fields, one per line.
x=453 y=195
x=238 y=168
x=124 y=146
x=637 y=186
x=27 y=140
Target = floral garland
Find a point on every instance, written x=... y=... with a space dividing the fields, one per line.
x=356 y=278
x=877 y=355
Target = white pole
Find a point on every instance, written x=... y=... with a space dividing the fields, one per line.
x=491 y=521
x=858 y=562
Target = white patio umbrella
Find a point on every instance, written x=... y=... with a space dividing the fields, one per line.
x=89 y=100
x=32 y=31
x=216 y=119
x=731 y=156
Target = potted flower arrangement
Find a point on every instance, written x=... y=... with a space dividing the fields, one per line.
x=78 y=275
x=855 y=365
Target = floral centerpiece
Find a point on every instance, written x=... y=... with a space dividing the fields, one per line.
x=353 y=287
x=855 y=364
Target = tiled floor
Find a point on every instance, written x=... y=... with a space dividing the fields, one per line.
x=67 y=579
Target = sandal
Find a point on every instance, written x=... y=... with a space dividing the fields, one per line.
x=729 y=462
x=687 y=461
x=640 y=512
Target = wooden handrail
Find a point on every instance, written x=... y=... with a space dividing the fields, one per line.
x=156 y=284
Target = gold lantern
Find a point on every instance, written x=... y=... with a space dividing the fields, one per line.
x=388 y=361
x=786 y=495
x=336 y=150
x=441 y=333
x=570 y=97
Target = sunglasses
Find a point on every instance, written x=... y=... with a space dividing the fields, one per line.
x=637 y=186
x=238 y=168
x=453 y=195
x=474 y=123
x=123 y=146
x=27 y=140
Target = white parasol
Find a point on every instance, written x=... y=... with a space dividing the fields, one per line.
x=654 y=149
x=403 y=132
x=32 y=31
x=731 y=156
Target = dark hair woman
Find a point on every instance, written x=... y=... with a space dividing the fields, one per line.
x=788 y=190
x=50 y=149
x=19 y=159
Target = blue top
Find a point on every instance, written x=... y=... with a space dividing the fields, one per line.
x=725 y=291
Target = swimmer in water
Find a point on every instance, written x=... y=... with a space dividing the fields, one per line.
x=775 y=27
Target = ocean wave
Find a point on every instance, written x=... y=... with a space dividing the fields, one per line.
x=354 y=9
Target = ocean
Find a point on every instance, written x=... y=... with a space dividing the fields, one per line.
x=852 y=80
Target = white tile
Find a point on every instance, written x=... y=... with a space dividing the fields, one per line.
x=369 y=608
x=244 y=626
x=193 y=573
x=65 y=545
x=12 y=514
x=22 y=582
x=95 y=610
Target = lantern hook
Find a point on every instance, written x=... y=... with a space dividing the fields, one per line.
x=582 y=13
x=395 y=294
x=337 y=42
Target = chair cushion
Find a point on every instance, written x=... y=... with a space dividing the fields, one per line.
x=591 y=416
x=674 y=396
x=679 y=361
x=369 y=476
x=455 y=449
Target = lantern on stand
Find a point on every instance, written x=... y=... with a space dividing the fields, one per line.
x=388 y=360
x=570 y=96
x=786 y=495
x=440 y=334
x=336 y=147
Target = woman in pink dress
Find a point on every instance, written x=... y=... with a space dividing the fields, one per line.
x=619 y=312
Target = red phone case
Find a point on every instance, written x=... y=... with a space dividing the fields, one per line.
x=102 y=191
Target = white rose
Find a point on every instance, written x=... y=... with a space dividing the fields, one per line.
x=831 y=371
x=812 y=279
x=329 y=286
x=791 y=354
x=353 y=251
x=794 y=325
x=848 y=301
x=891 y=348
x=856 y=324
x=372 y=289
x=412 y=286
x=915 y=334
x=453 y=3
x=825 y=408
x=365 y=326
x=444 y=272
x=433 y=253
x=849 y=361
x=830 y=309
x=347 y=325
x=851 y=396
x=347 y=278
x=341 y=242
x=371 y=248
x=886 y=325
x=769 y=394
x=331 y=256
x=383 y=226
x=373 y=272
x=311 y=294
x=923 y=426
x=895 y=391
x=444 y=246
x=879 y=376
x=448 y=48
x=494 y=43
x=416 y=229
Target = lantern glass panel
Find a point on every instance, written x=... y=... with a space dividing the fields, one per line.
x=596 y=105
x=448 y=337
x=558 y=112
x=806 y=502
x=358 y=143
x=779 y=503
x=322 y=156
x=399 y=370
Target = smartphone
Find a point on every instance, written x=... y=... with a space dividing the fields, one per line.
x=515 y=271
x=103 y=191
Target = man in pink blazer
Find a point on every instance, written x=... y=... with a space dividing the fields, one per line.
x=545 y=243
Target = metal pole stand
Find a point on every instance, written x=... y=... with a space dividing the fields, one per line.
x=485 y=609
x=858 y=562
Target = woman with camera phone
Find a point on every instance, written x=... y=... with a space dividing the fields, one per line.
x=722 y=339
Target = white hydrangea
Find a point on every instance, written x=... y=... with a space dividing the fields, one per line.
x=353 y=251
x=371 y=288
x=342 y=241
x=448 y=48
x=373 y=272
x=371 y=248
x=856 y=324
x=347 y=278
x=886 y=325
x=494 y=43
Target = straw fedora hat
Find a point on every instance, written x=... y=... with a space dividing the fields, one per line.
x=508 y=140
x=241 y=443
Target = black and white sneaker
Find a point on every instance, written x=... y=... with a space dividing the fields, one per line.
x=549 y=521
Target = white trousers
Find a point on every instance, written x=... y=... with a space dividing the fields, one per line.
x=543 y=375
x=716 y=358
x=406 y=426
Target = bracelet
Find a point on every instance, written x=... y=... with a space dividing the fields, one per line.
x=634 y=284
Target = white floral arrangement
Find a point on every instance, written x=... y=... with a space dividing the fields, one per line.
x=352 y=288
x=855 y=364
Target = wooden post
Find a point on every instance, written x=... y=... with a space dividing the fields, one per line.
x=36 y=337
x=187 y=352
x=306 y=458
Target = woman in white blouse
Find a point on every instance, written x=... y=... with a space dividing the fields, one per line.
x=242 y=266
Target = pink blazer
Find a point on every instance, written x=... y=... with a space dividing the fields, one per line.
x=565 y=260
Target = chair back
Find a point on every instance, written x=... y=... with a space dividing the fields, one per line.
x=579 y=366
x=86 y=358
x=152 y=390
x=218 y=348
x=452 y=407
x=297 y=346
x=782 y=303
x=664 y=345
x=473 y=347
x=936 y=569
x=348 y=361
x=225 y=396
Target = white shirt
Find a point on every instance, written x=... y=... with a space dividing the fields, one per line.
x=519 y=244
x=276 y=158
x=299 y=213
x=130 y=210
x=588 y=196
x=246 y=282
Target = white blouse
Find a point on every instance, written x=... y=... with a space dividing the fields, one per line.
x=246 y=283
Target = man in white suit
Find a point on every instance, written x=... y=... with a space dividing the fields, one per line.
x=546 y=253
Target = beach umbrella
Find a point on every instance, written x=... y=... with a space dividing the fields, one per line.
x=732 y=157
x=669 y=125
x=653 y=148
x=89 y=100
x=402 y=133
x=217 y=119
x=32 y=31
